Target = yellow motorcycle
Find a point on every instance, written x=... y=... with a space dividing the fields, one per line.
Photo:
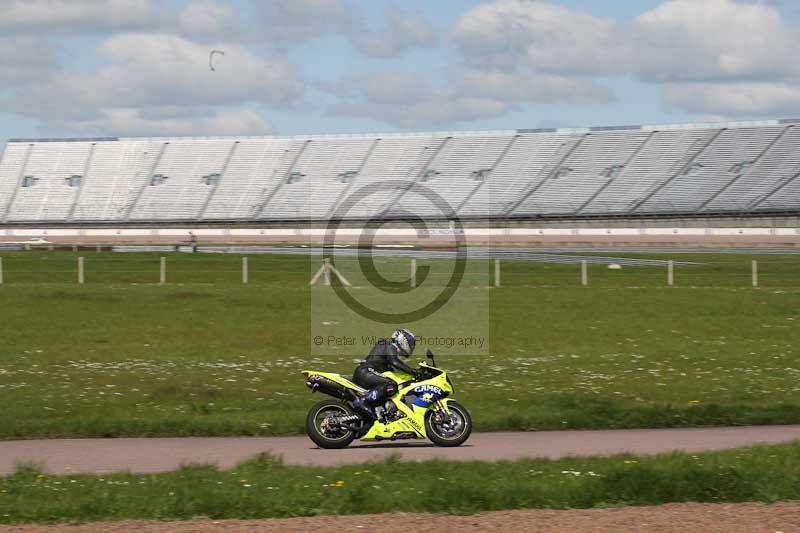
x=421 y=409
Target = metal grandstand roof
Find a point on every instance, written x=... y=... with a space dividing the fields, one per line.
x=64 y=139
x=373 y=135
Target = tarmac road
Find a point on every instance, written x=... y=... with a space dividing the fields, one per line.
x=144 y=455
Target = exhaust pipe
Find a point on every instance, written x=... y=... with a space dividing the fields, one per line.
x=331 y=388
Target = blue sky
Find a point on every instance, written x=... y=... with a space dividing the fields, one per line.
x=139 y=67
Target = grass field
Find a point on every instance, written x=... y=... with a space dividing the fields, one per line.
x=265 y=488
x=206 y=355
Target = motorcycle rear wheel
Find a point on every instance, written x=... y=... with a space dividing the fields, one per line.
x=455 y=433
x=323 y=436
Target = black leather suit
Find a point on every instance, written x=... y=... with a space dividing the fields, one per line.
x=383 y=356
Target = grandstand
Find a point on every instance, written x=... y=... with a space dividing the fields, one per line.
x=727 y=169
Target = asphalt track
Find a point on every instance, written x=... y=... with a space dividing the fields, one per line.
x=147 y=455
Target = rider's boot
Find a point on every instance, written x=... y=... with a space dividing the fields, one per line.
x=363 y=407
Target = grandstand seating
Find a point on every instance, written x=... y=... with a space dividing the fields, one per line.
x=731 y=168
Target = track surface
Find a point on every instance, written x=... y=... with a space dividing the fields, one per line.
x=471 y=252
x=142 y=455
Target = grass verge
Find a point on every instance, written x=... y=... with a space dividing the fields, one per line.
x=206 y=355
x=265 y=488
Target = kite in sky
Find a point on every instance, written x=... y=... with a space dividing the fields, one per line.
x=211 y=58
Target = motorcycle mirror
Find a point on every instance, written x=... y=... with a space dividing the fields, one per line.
x=429 y=355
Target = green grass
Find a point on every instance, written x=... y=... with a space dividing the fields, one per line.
x=265 y=488
x=206 y=355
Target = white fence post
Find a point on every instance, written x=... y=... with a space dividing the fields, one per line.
x=1 y=270
x=326 y=270
x=163 y=271
x=584 y=273
x=245 y=271
x=755 y=274
x=670 y=273
x=497 y=273
x=413 y=272
x=80 y=270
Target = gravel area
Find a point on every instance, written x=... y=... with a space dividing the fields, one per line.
x=680 y=517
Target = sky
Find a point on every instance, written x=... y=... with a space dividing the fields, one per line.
x=87 y=68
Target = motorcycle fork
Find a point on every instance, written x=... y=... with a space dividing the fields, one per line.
x=442 y=411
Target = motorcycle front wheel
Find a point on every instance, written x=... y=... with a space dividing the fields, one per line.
x=449 y=432
x=322 y=428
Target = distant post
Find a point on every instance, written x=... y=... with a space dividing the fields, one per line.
x=1 y=270
x=74 y=248
x=245 y=272
x=670 y=273
x=755 y=274
x=98 y=248
x=413 y=272
x=80 y=270
x=162 y=279
x=584 y=273
x=497 y=273
x=325 y=270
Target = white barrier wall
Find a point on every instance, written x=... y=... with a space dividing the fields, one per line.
x=11 y=234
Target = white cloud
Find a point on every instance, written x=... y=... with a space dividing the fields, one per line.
x=731 y=99
x=531 y=86
x=141 y=76
x=24 y=59
x=720 y=57
x=79 y=16
x=132 y=122
x=521 y=34
x=301 y=20
x=150 y=75
x=686 y=40
x=509 y=52
x=154 y=70
x=406 y=100
x=405 y=30
x=210 y=18
x=409 y=101
x=294 y=21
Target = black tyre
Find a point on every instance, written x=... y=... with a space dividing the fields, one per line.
x=454 y=432
x=318 y=425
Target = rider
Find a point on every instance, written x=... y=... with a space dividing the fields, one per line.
x=385 y=355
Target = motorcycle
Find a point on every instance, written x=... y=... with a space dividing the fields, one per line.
x=421 y=409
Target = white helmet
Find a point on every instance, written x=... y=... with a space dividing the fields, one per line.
x=405 y=341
